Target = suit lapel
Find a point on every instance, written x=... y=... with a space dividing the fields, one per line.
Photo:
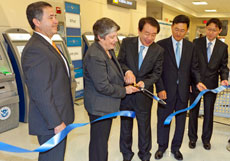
x=52 y=50
x=214 y=52
x=134 y=52
x=171 y=51
x=116 y=66
x=66 y=62
x=204 y=49
x=148 y=55
x=183 y=54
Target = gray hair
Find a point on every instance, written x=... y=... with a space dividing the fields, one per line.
x=103 y=27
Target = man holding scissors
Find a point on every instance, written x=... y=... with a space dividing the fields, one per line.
x=141 y=60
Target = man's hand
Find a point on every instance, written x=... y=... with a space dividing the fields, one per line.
x=59 y=128
x=131 y=89
x=201 y=86
x=141 y=84
x=130 y=77
x=224 y=82
x=162 y=95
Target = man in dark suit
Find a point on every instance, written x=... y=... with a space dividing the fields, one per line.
x=141 y=60
x=179 y=66
x=47 y=77
x=213 y=59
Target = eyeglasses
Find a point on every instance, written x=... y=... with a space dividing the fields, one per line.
x=212 y=30
x=179 y=30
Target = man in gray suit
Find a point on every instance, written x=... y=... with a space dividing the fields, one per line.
x=47 y=77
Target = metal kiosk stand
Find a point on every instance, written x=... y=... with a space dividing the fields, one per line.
x=16 y=40
x=9 y=109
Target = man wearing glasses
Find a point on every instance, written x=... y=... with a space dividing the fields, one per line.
x=213 y=59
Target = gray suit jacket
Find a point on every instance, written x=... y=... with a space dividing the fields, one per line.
x=103 y=80
x=48 y=85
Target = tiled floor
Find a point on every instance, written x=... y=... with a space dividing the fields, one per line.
x=77 y=146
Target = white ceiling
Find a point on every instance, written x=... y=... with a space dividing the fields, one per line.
x=222 y=7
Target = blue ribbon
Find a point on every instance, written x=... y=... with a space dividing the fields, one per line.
x=216 y=90
x=51 y=143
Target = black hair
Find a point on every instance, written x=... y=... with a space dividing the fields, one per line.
x=150 y=20
x=216 y=21
x=181 y=19
x=35 y=10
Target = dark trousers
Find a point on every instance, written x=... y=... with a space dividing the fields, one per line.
x=144 y=134
x=163 y=130
x=209 y=101
x=99 y=136
x=55 y=154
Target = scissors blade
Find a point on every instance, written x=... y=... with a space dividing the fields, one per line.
x=150 y=93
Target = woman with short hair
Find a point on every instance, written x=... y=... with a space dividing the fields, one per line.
x=104 y=85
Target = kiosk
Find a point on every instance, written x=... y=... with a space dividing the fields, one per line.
x=16 y=40
x=88 y=39
x=9 y=109
x=120 y=38
x=62 y=47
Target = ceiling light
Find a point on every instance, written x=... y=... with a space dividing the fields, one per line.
x=199 y=3
x=210 y=10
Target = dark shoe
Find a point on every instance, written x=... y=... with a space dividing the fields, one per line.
x=145 y=160
x=159 y=154
x=207 y=146
x=192 y=144
x=178 y=155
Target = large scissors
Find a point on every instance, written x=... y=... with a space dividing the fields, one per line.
x=150 y=94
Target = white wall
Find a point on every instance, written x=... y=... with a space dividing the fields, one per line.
x=13 y=14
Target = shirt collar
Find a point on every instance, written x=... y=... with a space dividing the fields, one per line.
x=213 y=41
x=175 y=42
x=140 y=44
x=44 y=36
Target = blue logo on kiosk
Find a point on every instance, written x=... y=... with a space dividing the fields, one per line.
x=5 y=113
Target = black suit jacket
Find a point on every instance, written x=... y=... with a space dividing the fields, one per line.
x=188 y=69
x=49 y=87
x=103 y=80
x=217 y=64
x=149 y=72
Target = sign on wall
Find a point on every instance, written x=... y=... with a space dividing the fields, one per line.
x=130 y=4
x=73 y=40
